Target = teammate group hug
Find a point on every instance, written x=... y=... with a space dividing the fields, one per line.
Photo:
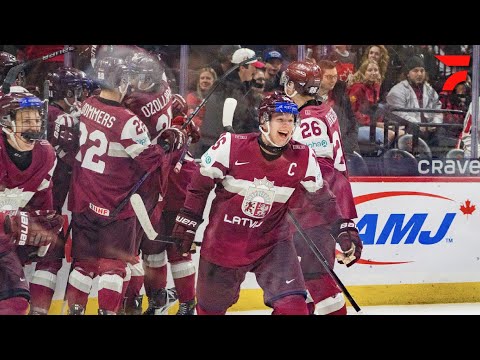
x=120 y=130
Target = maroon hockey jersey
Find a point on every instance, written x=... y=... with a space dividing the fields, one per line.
x=115 y=151
x=154 y=109
x=247 y=216
x=319 y=130
x=30 y=189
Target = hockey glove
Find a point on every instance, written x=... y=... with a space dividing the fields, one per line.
x=179 y=105
x=36 y=228
x=66 y=138
x=173 y=138
x=346 y=235
x=192 y=129
x=186 y=224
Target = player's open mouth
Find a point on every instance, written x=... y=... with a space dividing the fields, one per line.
x=283 y=134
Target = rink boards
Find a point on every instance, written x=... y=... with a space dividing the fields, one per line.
x=421 y=244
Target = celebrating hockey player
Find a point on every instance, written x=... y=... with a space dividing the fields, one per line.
x=66 y=86
x=153 y=102
x=115 y=151
x=255 y=175
x=320 y=131
x=27 y=219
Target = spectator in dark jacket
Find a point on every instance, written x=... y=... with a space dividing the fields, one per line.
x=236 y=86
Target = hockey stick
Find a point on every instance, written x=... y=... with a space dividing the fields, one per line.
x=229 y=107
x=120 y=206
x=324 y=261
x=142 y=216
x=190 y=117
x=46 y=89
x=14 y=71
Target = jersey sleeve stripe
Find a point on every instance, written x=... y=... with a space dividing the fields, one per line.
x=211 y=172
x=116 y=149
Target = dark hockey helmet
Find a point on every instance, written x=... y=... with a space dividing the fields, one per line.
x=305 y=76
x=147 y=69
x=276 y=103
x=7 y=61
x=14 y=101
x=110 y=72
x=66 y=82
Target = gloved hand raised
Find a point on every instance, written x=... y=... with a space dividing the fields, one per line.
x=346 y=235
x=179 y=105
x=66 y=137
x=186 y=224
x=173 y=138
x=36 y=228
x=192 y=129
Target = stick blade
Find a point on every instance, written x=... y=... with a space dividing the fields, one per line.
x=142 y=216
x=229 y=107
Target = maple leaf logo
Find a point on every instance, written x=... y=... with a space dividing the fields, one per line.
x=467 y=209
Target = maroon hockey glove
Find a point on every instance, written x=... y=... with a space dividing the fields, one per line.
x=192 y=129
x=174 y=137
x=179 y=105
x=346 y=235
x=37 y=228
x=186 y=224
x=66 y=137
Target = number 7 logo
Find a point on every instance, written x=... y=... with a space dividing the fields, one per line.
x=458 y=77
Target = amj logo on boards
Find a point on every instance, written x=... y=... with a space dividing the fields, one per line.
x=402 y=227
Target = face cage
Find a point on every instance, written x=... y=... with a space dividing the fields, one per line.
x=9 y=122
x=144 y=82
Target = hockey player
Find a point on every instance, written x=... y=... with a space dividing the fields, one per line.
x=115 y=150
x=26 y=168
x=256 y=175
x=319 y=130
x=66 y=90
x=153 y=102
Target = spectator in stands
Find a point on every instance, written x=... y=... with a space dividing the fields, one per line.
x=273 y=62
x=465 y=142
x=236 y=85
x=334 y=92
x=224 y=59
x=364 y=94
x=204 y=82
x=379 y=53
x=458 y=99
x=416 y=92
x=344 y=60
x=258 y=85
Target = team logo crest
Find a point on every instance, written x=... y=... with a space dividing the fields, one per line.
x=13 y=199
x=259 y=198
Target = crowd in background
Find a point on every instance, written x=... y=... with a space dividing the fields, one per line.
x=370 y=76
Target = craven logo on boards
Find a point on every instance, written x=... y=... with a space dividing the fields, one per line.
x=449 y=167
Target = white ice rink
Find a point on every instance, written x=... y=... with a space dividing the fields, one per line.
x=428 y=309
